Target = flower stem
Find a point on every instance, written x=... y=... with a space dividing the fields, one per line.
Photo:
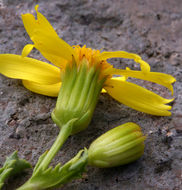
x=63 y=135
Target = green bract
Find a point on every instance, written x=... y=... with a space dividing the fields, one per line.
x=78 y=95
x=119 y=146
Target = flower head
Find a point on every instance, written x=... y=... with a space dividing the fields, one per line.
x=43 y=78
x=118 y=146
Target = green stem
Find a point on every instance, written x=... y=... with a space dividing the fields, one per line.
x=63 y=135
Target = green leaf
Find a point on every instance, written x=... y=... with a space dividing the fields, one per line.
x=55 y=177
x=12 y=166
x=41 y=158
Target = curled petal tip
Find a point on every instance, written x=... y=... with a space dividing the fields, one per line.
x=27 y=49
x=36 y=8
x=167 y=101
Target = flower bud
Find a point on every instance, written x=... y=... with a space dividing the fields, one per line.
x=120 y=145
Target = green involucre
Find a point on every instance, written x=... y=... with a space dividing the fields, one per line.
x=78 y=95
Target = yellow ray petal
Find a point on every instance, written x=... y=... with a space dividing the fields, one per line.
x=29 y=23
x=115 y=78
x=52 y=48
x=27 y=49
x=122 y=54
x=48 y=90
x=159 y=78
x=42 y=29
x=16 y=66
x=138 y=97
x=44 y=24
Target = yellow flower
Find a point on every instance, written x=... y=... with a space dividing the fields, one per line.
x=43 y=78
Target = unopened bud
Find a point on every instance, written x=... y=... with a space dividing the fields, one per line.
x=118 y=146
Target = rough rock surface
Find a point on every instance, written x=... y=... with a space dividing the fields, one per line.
x=152 y=29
